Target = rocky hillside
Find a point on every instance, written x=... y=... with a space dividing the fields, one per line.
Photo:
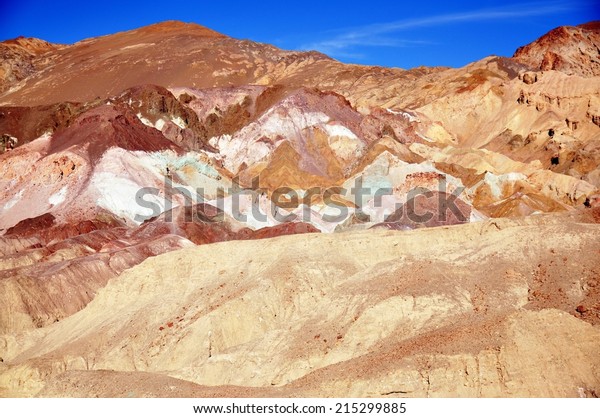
x=22 y=57
x=458 y=209
x=568 y=49
x=474 y=310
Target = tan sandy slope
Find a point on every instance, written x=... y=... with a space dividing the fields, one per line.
x=482 y=309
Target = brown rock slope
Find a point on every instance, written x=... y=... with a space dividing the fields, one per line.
x=569 y=49
x=21 y=57
x=167 y=54
x=503 y=308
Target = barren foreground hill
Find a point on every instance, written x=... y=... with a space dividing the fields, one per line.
x=187 y=214
x=485 y=309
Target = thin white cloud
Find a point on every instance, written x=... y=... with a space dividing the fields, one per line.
x=340 y=46
x=380 y=34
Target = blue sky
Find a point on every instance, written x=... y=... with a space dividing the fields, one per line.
x=388 y=33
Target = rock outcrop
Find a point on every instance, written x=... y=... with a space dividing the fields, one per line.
x=568 y=49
